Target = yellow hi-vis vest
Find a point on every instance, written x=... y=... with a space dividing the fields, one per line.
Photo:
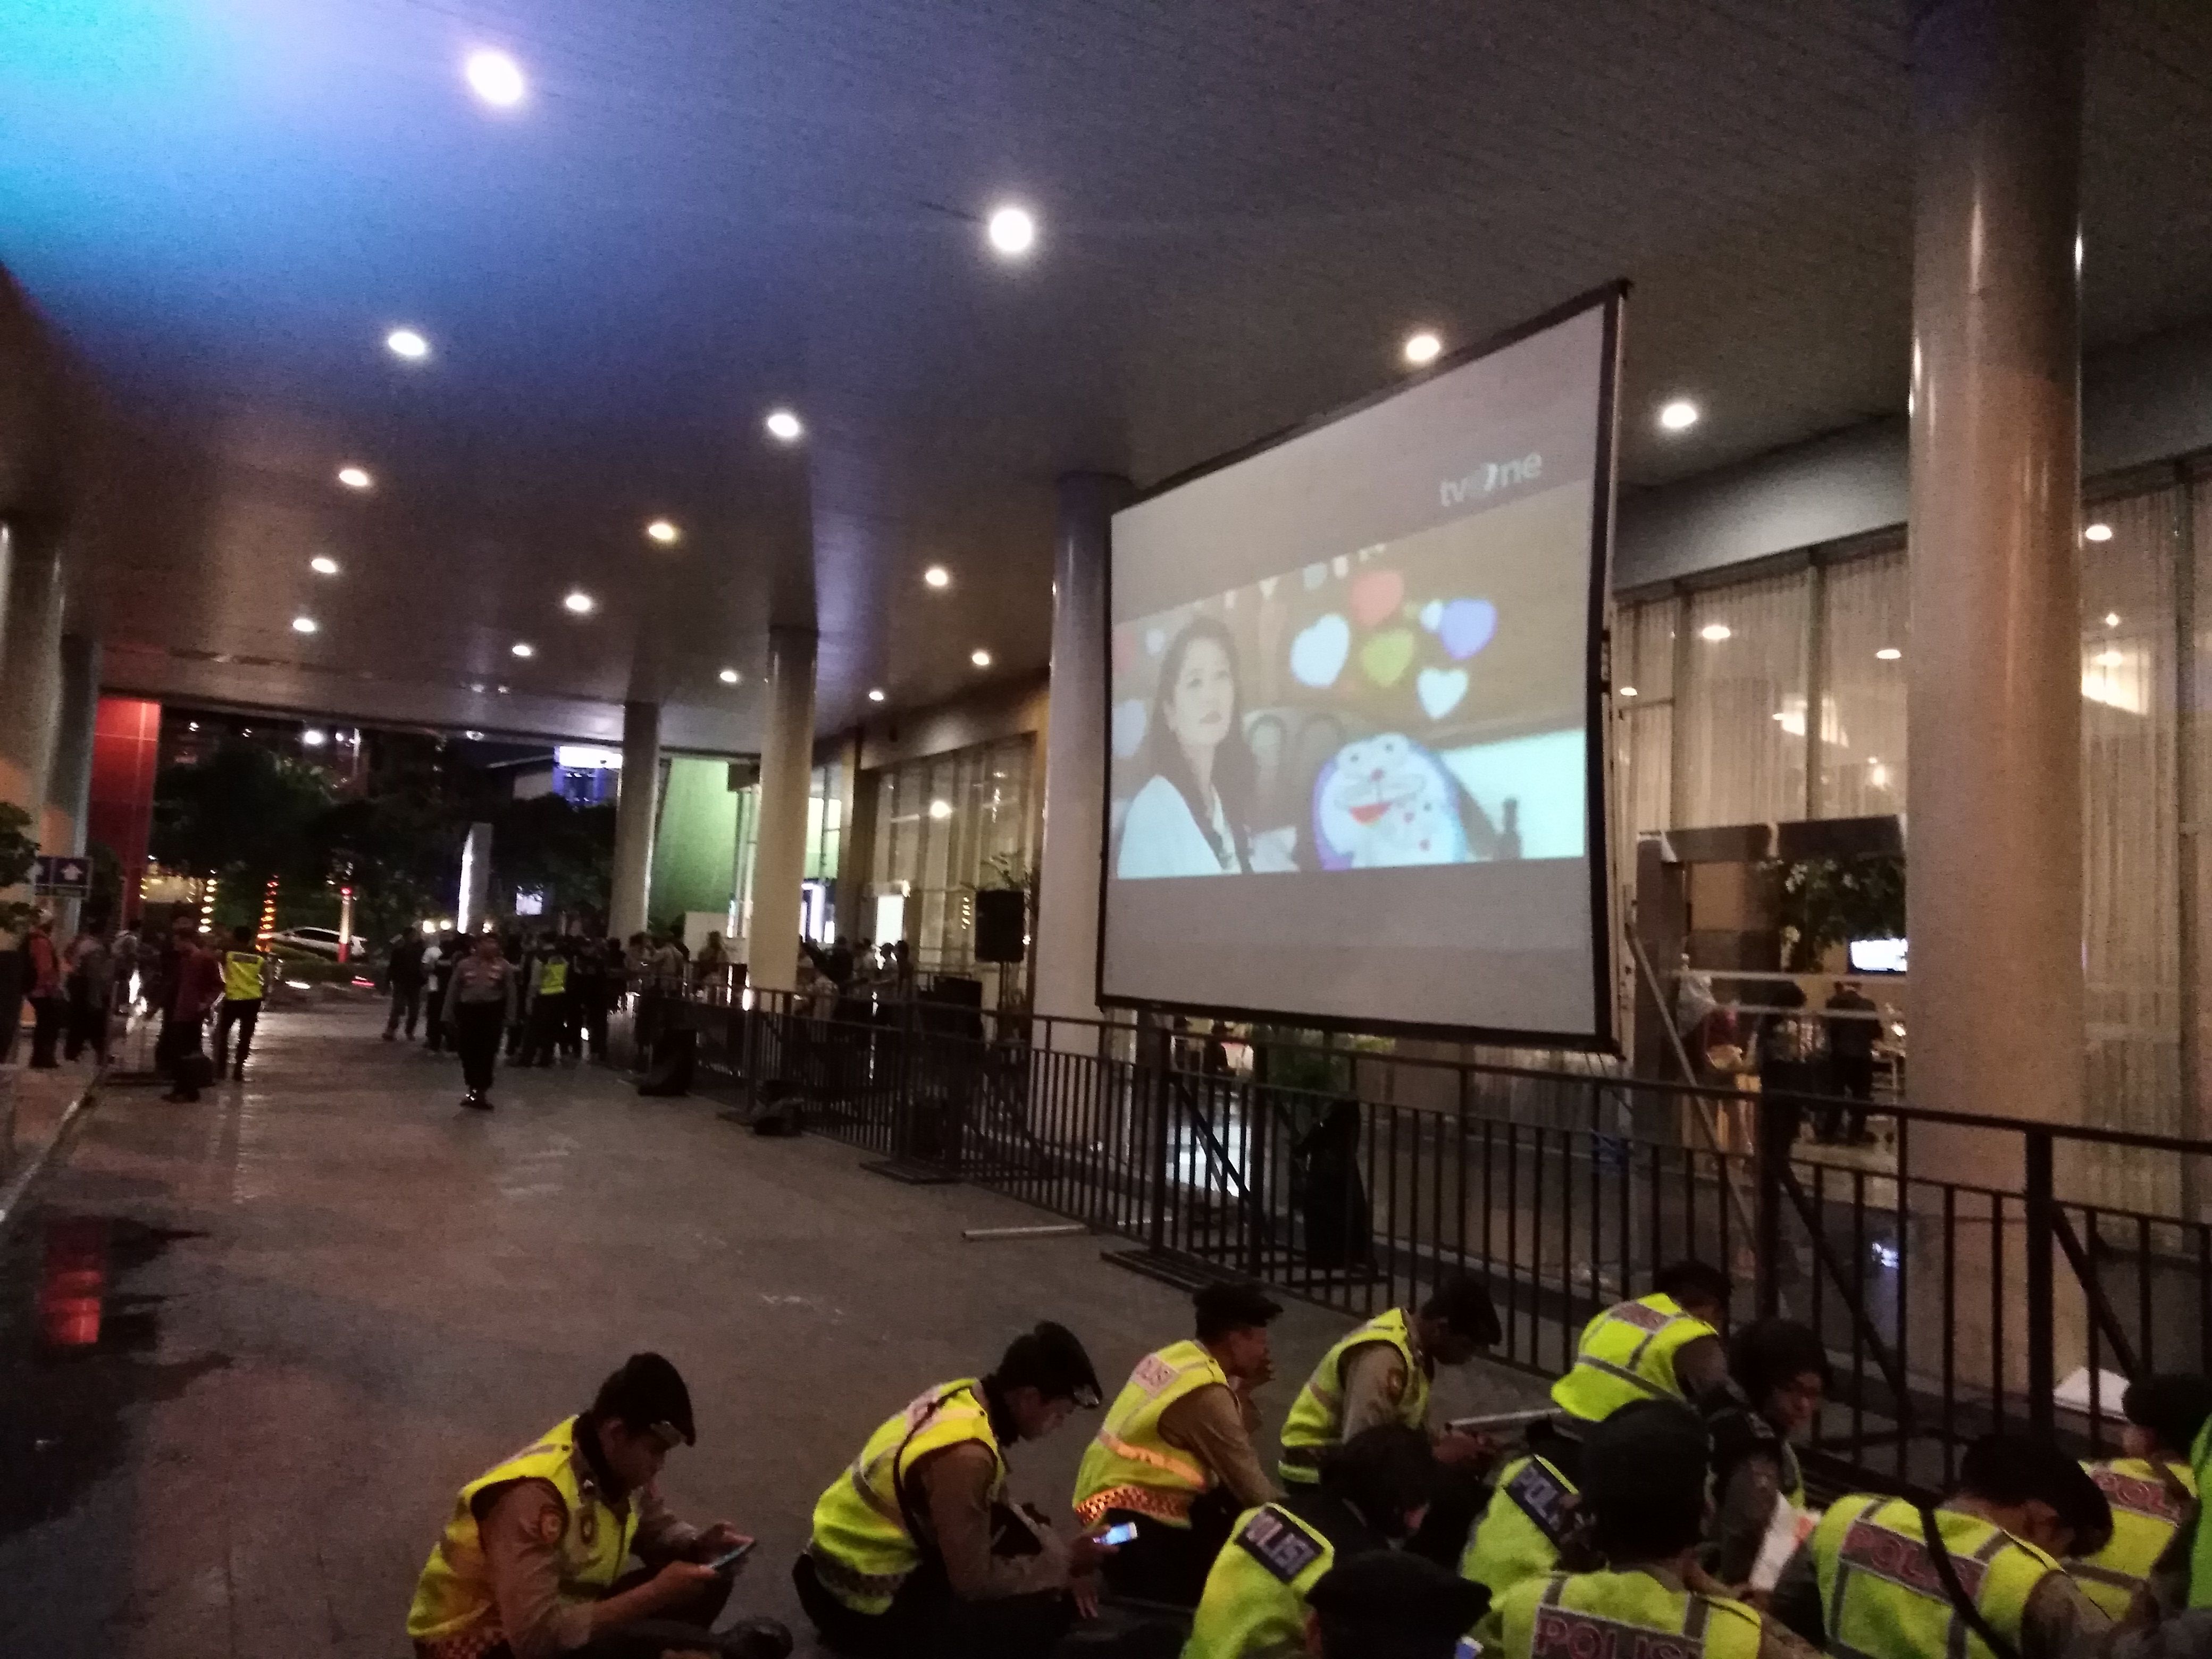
x=1128 y=1466
x=1316 y=1419
x=1627 y=1353
x=1881 y=1595
x=1627 y=1615
x=1254 y=1599
x=453 y=1597
x=2146 y=1509
x=1521 y=1529
x=862 y=1546
x=241 y=975
x=553 y=977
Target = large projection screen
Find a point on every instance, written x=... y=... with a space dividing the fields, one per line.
x=1355 y=748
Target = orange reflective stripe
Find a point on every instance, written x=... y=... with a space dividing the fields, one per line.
x=1196 y=1474
x=1174 y=1506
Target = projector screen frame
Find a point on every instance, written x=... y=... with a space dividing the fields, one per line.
x=1604 y=1038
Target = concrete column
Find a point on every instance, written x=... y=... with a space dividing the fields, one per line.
x=30 y=674
x=1994 y=701
x=1066 y=931
x=636 y=804
x=69 y=787
x=786 y=774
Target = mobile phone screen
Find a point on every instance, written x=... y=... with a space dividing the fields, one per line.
x=1126 y=1533
x=729 y=1559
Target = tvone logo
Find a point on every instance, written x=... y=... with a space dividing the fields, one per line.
x=1489 y=478
x=1562 y=1635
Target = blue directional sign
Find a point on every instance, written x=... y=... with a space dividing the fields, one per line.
x=64 y=874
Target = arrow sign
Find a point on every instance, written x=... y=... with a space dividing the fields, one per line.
x=62 y=874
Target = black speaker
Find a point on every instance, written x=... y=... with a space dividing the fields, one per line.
x=1000 y=915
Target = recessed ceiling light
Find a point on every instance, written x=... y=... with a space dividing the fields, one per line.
x=1627 y=692
x=355 y=477
x=581 y=603
x=783 y=425
x=1423 y=348
x=496 y=78
x=522 y=648
x=304 y=624
x=473 y=735
x=1716 y=632
x=980 y=657
x=2110 y=658
x=476 y=686
x=1012 y=230
x=315 y=738
x=875 y=694
x=938 y=576
x=1888 y=653
x=501 y=690
x=1678 y=416
x=664 y=532
x=407 y=342
x=2096 y=532
x=2111 y=619
x=323 y=565
x=729 y=677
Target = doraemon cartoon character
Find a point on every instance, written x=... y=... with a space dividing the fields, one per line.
x=1386 y=800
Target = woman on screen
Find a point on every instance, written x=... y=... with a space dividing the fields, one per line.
x=1192 y=818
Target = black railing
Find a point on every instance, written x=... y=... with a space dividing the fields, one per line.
x=1957 y=1280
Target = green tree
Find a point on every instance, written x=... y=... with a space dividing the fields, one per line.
x=545 y=845
x=1828 y=902
x=242 y=815
x=17 y=850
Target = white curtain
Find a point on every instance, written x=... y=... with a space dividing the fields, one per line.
x=1740 y=753
x=1862 y=672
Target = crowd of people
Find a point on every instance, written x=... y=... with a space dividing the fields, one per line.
x=1658 y=1510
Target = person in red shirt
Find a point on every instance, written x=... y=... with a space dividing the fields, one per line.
x=188 y=990
x=48 y=1004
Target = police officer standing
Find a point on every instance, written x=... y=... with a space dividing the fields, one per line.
x=1867 y=1582
x=1643 y=1491
x=244 y=984
x=916 y=1554
x=529 y=1565
x=1174 y=1453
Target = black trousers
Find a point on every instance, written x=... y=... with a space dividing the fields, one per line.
x=1169 y=1564
x=51 y=1014
x=179 y=1041
x=87 y=1023
x=1459 y=1498
x=436 y=1034
x=548 y=1029
x=477 y=1027
x=1854 y=1076
x=926 y=1620
x=406 y=999
x=244 y=1013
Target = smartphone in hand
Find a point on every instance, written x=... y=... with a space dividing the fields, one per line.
x=728 y=1560
x=1124 y=1534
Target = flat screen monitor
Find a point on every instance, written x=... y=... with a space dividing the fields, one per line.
x=1878 y=955
x=1356 y=761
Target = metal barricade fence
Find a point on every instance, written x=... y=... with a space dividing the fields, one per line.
x=1973 y=1283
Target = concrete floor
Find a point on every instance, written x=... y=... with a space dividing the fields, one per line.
x=327 y=1296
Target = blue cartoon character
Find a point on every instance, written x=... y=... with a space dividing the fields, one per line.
x=1386 y=800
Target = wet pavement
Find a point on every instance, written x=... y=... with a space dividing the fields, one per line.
x=250 y=1348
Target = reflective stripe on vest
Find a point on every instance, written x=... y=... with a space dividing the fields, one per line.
x=1129 y=1466
x=241 y=976
x=861 y=1545
x=453 y=1597
x=1316 y=1419
x=1626 y=1354
x=1255 y=1600
x=1519 y=1534
x=1622 y=1615
x=1882 y=1598
x=2146 y=1511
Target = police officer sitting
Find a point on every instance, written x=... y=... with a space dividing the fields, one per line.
x=1381 y=1372
x=1644 y=1473
x=1781 y=1368
x=2150 y=1486
x=1528 y=1527
x=1175 y=1455
x=1370 y=1492
x=1867 y=1582
x=1666 y=1345
x=915 y=1553
x=1390 y=1605
x=529 y=1564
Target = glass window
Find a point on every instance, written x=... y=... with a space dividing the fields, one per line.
x=1862 y=670
x=1741 y=758
x=945 y=826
